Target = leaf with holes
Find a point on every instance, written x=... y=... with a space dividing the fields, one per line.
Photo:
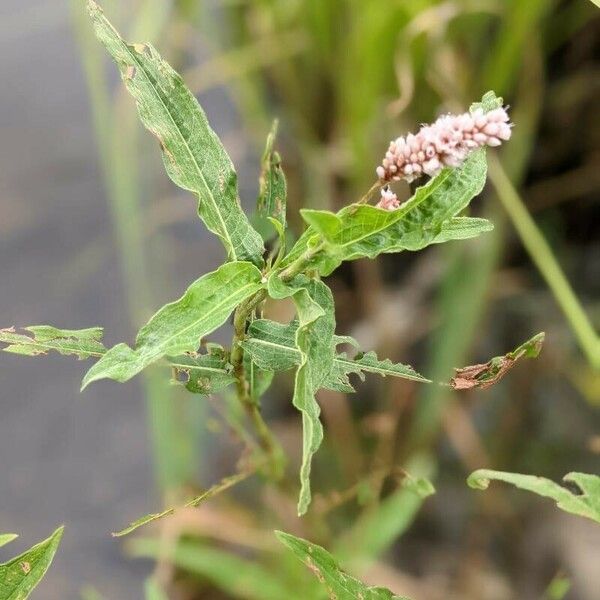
x=194 y=157
x=203 y=374
x=272 y=346
x=83 y=343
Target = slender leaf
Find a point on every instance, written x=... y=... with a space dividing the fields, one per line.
x=272 y=346
x=361 y=230
x=83 y=343
x=314 y=337
x=272 y=194
x=323 y=565
x=487 y=374
x=371 y=364
x=179 y=327
x=21 y=575
x=462 y=228
x=585 y=504
x=259 y=380
x=193 y=155
x=6 y=538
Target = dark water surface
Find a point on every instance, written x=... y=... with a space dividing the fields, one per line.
x=79 y=459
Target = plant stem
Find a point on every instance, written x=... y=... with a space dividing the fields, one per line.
x=541 y=254
x=265 y=437
x=365 y=198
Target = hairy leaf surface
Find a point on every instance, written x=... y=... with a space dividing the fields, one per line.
x=179 y=327
x=83 y=343
x=313 y=338
x=193 y=155
x=19 y=576
x=324 y=566
x=585 y=504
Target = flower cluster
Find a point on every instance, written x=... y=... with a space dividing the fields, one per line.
x=389 y=200
x=445 y=143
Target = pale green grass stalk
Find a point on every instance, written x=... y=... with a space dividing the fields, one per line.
x=116 y=130
x=542 y=256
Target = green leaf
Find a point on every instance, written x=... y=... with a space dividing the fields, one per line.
x=20 y=576
x=179 y=327
x=462 y=228
x=193 y=155
x=6 y=538
x=83 y=343
x=237 y=577
x=272 y=195
x=314 y=338
x=272 y=346
x=323 y=565
x=487 y=374
x=361 y=230
x=203 y=374
x=585 y=504
x=428 y=217
x=343 y=366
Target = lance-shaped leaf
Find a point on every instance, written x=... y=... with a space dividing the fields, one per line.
x=462 y=228
x=487 y=374
x=368 y=362
x=314 y=336
x=83 y=343
x=272 y=195
x=427 y=218
x=359 y=231
x=585 y=504
x=272 y=346
x=193 y=155
x=19 y=576
x=179 y=327
x=324 y=566
x=203 y=374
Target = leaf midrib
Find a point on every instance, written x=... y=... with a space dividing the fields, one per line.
x=401 y=213
x=205 y=316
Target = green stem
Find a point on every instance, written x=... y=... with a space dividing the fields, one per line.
x=541 y=254
x=265 y=438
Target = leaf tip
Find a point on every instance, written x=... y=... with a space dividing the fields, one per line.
x=478 y=480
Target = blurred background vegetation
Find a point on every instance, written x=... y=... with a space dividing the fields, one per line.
x=344 y=77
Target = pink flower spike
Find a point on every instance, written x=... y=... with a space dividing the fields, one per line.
x=447 y=142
